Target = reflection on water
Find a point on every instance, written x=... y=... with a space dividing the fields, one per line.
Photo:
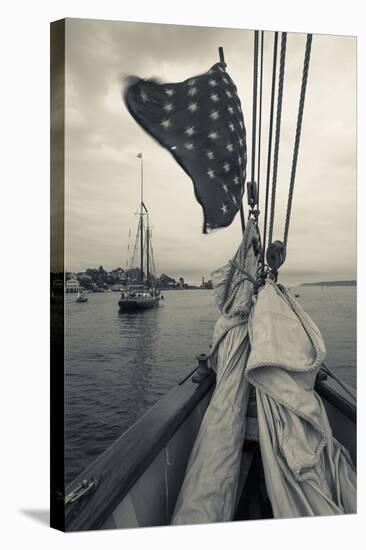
x=118 y=365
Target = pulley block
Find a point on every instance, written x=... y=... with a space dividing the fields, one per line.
x=276 y=255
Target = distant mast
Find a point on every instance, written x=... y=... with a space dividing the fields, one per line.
x=141 y=220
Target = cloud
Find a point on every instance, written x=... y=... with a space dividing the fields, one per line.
x=102 y=140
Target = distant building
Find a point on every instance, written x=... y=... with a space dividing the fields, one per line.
x=206 y=284
x=72 y=285
x=118 y=274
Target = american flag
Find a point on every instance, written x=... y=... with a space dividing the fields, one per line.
x=200 y=122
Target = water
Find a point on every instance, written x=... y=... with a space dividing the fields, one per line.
x=119 y=365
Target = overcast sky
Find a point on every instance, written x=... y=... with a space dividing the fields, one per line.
x=102 y=140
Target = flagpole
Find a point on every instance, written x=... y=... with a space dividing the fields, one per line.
x=241 y=208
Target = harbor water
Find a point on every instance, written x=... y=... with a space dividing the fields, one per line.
x=119 y=365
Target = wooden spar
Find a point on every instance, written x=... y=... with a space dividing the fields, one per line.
x=142 y=224
x=241 y=209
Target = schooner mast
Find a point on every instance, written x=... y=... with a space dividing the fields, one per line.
x=141 y=219
x=141 y=225
x=143 y=212
x=135 y=296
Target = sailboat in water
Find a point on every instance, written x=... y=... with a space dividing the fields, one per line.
x=141 y=291
x=80 y=299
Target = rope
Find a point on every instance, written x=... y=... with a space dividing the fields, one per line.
x=167 y=463
x=273 y=91
x=260 y=116
x=278 y=132
x=335 y=377
x=298 y=134
x=245 y=273
x=133 y=259
x=254 y=121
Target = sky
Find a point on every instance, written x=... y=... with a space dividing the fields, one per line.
x=102 y=141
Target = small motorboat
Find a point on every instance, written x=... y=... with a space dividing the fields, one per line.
x=81 y=298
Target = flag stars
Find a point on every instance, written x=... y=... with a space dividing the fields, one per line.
x=214 y=98
x=213 y=135
x=211 y=173
x=236 y=180
x=214 y=115
x=228 y=93
x=212 y=82
x=192 y=107
x=168 y=107
x=241 y=141
x=224 y=79
x=224 y=208
x=191 y=82
x=169 y=92
x=144 y=96
x=189 y=146
x=192 y=91
x=230 y=147
x=166 y=123
x=230 y=109
x=227 y=167
x=224 y=186
x=190 y=131
x=234 y=199
x=232 y=127
x=210 y=155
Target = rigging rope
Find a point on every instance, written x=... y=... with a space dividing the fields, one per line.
x=298 y=134
x=260 y=115
x=269 y=155
x=133 y=259
x=278 y=132
x=347 y=389
x=254 y=120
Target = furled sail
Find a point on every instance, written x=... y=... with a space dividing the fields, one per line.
x=209 y=490
x=307 y=471
x=268 y=342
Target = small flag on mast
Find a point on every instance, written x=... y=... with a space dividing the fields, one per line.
x=200 y=122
